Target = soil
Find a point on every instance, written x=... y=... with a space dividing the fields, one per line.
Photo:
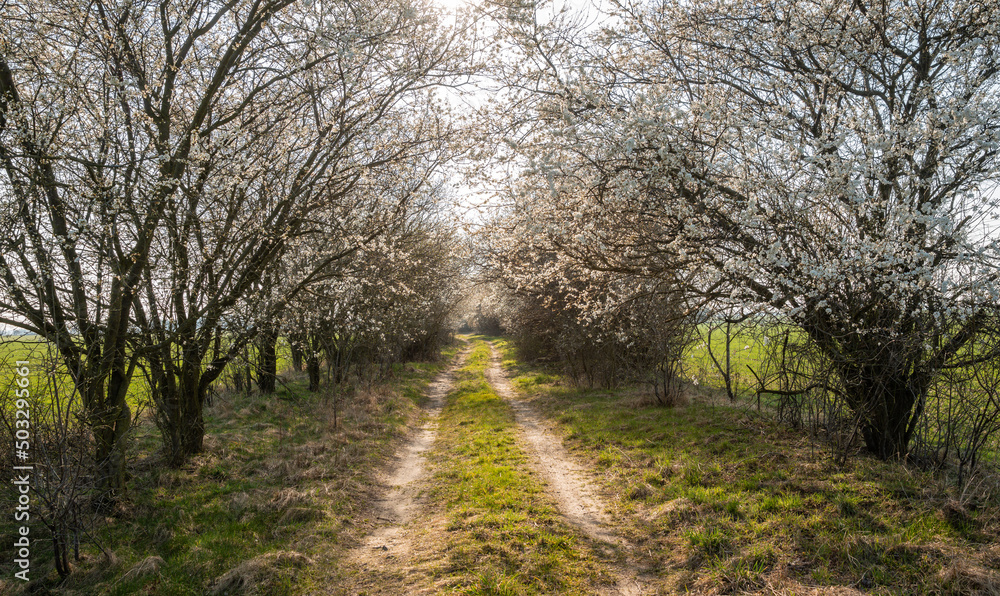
x=393 y=557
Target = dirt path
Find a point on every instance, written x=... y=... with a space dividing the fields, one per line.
x=387 y=550
x=566 y=479
x=402 y=553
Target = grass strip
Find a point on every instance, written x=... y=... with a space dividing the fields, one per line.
x=260 y=510
x=505 y=536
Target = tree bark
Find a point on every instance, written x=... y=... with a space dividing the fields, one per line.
x=109 y=427
x=192 y=399
x=297 y=355
x=312 y=362
x=267 y=360
x=887 y=401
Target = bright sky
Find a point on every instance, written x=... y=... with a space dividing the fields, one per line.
x=453 y=5
x=468 y=198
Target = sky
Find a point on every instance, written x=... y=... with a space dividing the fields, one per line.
x=470 y=200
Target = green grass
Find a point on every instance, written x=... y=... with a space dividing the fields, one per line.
x=726 y=498
x=49 y=375
x=749 y=349
x=505 y=536
x=275 y=488
x=746 y=349
x=714 y=498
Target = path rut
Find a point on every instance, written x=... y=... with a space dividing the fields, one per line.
x=391 y=556
x=401 y=504
x=576 y=498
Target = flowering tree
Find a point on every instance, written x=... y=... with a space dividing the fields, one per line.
x=390 y=299
x=160 y=158
x=356 y=137
x=101 y=112
x=831 y=161
x=607 y=326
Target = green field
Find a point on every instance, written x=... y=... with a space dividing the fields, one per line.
x=48 y=374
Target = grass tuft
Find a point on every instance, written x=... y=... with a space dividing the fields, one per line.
x=276 y=488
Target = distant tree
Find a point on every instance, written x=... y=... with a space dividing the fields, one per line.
x=392 y=299
x=606 y=326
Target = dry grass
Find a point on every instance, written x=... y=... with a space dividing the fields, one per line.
x=725 y=500
x=961 y=577
x=261 y=574
x=146 y=567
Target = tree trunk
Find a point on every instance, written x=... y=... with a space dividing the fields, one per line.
x=297 y=355
x=882 y=379
x=193 y=431
x=109 y=418
x=182 y=394
x=884 y=405
x=168 y=408
x=60 y=548
x=247 y=373
x=312 y=367
x=238 y=378
x=109 y=427
x=192 y=399
x=173 y=447
x=267 y=360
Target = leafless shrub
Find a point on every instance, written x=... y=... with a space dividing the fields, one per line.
x=954 y=426
x=727 y=323
x=59 y=454
x=960 y=430
x=800 y=383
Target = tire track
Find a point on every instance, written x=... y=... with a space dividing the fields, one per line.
x=566 y=480
x=388 y=548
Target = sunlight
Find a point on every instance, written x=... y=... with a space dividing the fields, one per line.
x=453 y=6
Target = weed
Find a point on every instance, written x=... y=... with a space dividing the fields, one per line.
x=709 y=542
